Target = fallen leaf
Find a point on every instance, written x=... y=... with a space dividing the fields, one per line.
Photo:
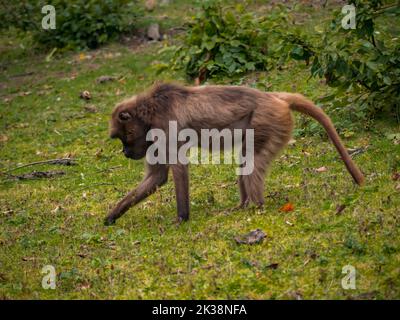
x=287 y=207
x=3 y=138
x=8 y=212
x=28 y=258
x=340 y=208
x=321 y=169
x=99 y=153
x=85 y=95
x=306 y=262
x=104 y=79
x=273 y=266
x=22 y=94
x=91 y=108
x=252 y=237
x=84 y=286
x=396 y=176
x=56 y=209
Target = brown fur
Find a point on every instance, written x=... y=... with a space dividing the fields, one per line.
x=208 y=107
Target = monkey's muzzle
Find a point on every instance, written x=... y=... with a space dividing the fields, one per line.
x=132 y=154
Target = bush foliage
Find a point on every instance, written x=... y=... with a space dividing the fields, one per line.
x=223 y=41
x=362 y=64
x=79 y=23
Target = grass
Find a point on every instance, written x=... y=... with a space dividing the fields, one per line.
x=146 y=255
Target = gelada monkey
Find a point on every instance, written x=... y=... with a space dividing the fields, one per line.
x=207 y=107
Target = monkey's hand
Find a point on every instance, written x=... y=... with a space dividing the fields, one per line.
x=109 y=221
x=121 y=207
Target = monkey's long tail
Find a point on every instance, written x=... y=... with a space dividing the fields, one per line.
x=299 y=103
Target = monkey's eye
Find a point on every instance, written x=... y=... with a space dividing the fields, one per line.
x=124 y=116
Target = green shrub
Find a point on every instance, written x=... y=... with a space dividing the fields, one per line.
x=79 y=23
x=223 y=41
x=362 y=64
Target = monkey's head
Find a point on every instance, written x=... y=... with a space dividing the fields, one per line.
x=128 y=127
x=133 y=118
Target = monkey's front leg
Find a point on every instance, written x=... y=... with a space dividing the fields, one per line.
x=157 y=175
x=180 y=174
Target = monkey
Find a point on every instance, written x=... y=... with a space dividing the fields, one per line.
x=269 y=114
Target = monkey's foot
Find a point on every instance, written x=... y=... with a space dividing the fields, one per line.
x=240 y=206
x=180 y=220
x=244 y=204
x=109 y=221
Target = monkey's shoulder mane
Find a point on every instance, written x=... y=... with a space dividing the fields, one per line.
x=159 y=99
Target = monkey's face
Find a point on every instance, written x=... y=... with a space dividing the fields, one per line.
x=131 y=131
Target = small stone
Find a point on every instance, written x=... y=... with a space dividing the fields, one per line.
x=153 y=32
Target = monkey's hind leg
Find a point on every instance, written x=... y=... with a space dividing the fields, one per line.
x=252 y=186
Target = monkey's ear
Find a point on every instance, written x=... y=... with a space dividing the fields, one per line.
x=124 y=116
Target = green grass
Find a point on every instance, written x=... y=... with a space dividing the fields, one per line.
x=146 y=255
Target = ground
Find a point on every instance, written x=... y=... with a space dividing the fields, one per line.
x=146 y=255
